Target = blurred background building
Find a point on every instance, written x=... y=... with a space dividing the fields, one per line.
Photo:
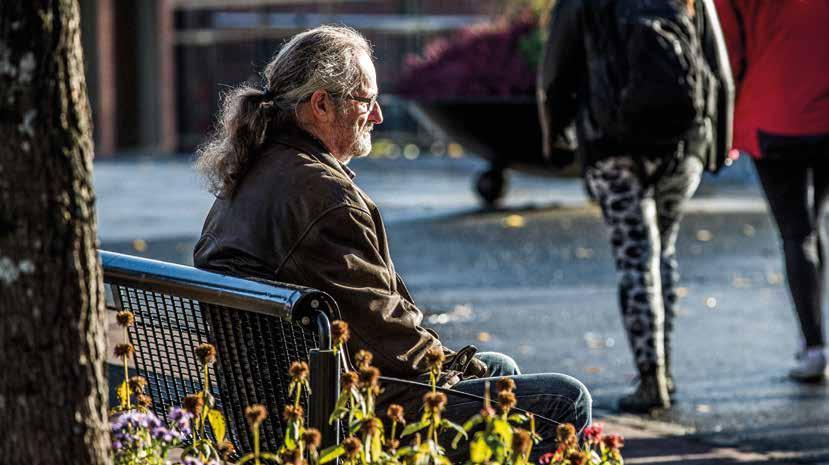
x=156 y=68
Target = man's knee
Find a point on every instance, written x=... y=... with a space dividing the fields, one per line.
x=499 y=364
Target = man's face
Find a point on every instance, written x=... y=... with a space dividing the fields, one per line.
x=355 y=119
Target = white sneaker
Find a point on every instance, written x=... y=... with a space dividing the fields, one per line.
x=811 y=366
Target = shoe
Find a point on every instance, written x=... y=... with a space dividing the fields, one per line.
x=811 y=366
x=651 y=394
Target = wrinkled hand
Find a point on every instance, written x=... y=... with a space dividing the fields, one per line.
x=476 y=368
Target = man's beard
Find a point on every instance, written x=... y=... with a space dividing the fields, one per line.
x=358 y=141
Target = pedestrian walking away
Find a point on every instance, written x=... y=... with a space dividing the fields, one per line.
x=780 y=58
x=647 y=87
x=288 y=209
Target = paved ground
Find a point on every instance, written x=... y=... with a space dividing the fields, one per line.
x=534 y=279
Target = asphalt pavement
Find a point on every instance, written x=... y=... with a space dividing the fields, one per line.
x=534 y=278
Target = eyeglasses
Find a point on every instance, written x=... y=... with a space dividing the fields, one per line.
x=369 y=101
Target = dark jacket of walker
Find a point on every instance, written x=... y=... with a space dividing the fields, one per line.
x=297 y=217
x=569 y=81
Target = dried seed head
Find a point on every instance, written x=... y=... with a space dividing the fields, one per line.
x=522 y=442
x=255 y=414
x=505 y=384
x=577 y=457
x=312 y=438
x=566 y=435
x=125 y=318
x=506 y=401
x=226 y=449
x=144 y=400
x=348 y=380
x=206 y=353
x=394 y=444
x=371 y=426
x=339 y=332
x=395 y=413
x=124 y=350
x=363 y=359
x=434 y=401
x=435 y=358
x=614 y=441
x=293 y=413
x=137 y=384
x=369 y=377
x=298 y=371
x=193 y=403
x=352 y=447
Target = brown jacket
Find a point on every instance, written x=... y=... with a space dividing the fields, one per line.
x=297 y=217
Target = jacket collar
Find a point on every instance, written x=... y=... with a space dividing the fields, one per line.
x=306 y=143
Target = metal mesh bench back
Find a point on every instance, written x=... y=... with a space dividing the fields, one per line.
x=175 y=313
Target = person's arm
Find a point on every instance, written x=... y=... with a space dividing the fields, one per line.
x=718 y=57
x=341 y=255
x=560 y=73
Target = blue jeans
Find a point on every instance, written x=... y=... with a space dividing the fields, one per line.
x=553 y=398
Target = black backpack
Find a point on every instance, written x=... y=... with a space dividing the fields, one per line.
x=658 y=77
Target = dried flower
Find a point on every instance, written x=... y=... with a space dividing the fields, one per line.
x=352 y=447
x=593 y=433
x=435 y=358
x=614 y=441
x=255 y=414
x=577 y=457
x=395 y=413
x=125 y=318
x=369 y=377
x=506 y=401
x=137 y=384
x=312 y=438
x=143 y=400
x=434 y=401
x=371 y=426
x=298 y=371
x=505 y=384
x=206 y=354
x=193 y=403
x=566 y=435
x=226 y=449
x=339 y=333
x=348 y=380
x=292 y=412
x=363 y=359
x=522 y=442
x=124 y=350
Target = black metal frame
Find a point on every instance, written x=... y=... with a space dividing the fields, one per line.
x=216 y=296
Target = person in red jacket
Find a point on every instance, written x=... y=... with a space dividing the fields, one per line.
x=779 y=54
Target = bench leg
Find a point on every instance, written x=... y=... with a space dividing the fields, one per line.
x=325 y=387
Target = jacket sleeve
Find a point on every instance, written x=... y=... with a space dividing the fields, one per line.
x=342 y=255
x=560 y=71
x=717 y=57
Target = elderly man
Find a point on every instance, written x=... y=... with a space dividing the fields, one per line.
x=288 y=210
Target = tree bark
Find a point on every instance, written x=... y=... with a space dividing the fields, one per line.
x=52 y=381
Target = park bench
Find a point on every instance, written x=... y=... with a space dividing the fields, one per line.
x=258 y=328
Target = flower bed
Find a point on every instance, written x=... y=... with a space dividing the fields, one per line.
x=497 y=435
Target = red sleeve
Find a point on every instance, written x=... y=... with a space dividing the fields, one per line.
x=732 y=31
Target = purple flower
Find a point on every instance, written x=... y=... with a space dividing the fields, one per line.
x=180 y=420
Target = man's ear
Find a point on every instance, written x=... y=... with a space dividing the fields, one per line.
x=322 y=106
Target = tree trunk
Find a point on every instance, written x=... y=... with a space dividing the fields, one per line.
x=52 y=381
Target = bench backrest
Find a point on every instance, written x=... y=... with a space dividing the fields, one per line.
x=258 y=329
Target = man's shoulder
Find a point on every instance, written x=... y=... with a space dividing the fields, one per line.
x=298 y=175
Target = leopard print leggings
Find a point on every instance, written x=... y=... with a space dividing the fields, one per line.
x=643 y=222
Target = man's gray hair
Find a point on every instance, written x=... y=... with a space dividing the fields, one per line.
x=323 y=58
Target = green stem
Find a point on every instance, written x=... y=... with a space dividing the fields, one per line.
x=298 y=394
x=256 y=443
x=127 y=380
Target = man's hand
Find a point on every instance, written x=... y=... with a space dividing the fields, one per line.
x=476 y=368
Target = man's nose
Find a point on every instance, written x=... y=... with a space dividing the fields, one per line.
x=376 y=115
